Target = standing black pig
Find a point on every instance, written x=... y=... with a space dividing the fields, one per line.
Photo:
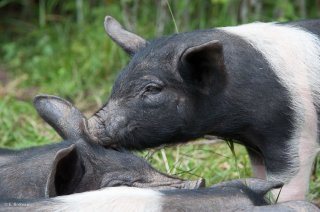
x=74 y=165
x=257 y=83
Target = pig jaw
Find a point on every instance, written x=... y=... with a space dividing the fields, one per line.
x=173 y=184
x=165 y=181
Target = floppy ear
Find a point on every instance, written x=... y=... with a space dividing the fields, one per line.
x=129 y=41
x=203 y=66
x=66 y=173
x=61 y=115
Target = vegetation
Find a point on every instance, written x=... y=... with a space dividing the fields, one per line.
x=60 y=48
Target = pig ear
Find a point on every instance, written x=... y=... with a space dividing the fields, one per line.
x=66 y=172
x=129 y=41
x=61 y=115
x=203 y=66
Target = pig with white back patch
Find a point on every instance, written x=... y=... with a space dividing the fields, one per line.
x=235 y=195
x=75 y=164
x=258 y=84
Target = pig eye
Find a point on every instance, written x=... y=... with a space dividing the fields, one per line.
x=152 y=89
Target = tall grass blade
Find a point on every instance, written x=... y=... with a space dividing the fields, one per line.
x=231 y=146
x=165 y=160
x=278 y=195
x=172 y=16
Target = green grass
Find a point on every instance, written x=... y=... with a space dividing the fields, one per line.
x=80 y=63
x=214 y=162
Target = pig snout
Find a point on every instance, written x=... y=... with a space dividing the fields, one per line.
x=107 y=124
x=102 y=131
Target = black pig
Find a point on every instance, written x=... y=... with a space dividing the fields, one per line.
x=237 y=195
x=74 y=165
x=258 y=84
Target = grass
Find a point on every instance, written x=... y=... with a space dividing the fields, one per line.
x=80 y=64
x=214 y=162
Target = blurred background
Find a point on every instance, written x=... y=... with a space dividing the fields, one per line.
x=60 y=48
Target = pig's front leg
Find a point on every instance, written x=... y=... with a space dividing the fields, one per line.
x=293 y=164
x=257 y=163
x=297 y=186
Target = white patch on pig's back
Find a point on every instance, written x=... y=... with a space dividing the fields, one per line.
x=111 y=199
x=294 y=55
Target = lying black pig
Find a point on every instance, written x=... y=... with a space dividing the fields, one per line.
x=236 y=195
x=258 y=84
x=74 y=165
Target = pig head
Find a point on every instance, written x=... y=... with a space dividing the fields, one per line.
x=154 y=103
x=75 y=164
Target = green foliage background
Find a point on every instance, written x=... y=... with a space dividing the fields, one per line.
x=60 y=48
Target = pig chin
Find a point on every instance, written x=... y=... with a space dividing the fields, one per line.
x=169 y=183
x=178 y=185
